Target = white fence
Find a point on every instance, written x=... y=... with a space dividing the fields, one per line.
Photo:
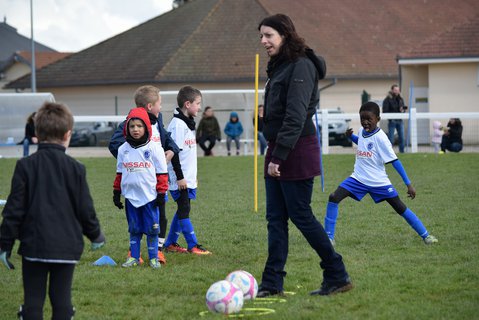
x=418 y=127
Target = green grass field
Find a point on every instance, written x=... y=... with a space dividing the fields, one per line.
x=395 y=275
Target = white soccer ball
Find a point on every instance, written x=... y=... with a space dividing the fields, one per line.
x=246 y=282
x=224 y=297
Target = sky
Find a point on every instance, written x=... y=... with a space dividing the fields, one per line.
x=74 y=25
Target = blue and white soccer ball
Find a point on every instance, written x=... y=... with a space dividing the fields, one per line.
x=246 y=282
x=224 y=297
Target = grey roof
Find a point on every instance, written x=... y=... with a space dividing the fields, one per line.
x=13 y=42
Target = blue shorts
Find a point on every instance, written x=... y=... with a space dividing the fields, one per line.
x=359 y=190
x=144 y=219
x=175 y=194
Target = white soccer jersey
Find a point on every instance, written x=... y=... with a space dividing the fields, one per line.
x=139 y=168
x=185 y=138
x=155 y=135
x=372 y=154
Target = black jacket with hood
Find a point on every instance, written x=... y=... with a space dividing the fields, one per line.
x=291 y=98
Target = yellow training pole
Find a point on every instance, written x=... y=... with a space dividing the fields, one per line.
x=256 y=134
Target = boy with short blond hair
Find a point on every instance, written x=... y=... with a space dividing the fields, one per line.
x=145 y=95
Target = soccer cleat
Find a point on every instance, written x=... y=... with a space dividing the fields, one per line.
x=155 y=264
x=199 y=250
x=330 y=288
x=430 y=239
x=175 y=247
x=161 y=257
x=129 y=255
x=130 y=262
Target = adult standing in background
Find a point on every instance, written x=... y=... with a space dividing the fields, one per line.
x=30 y=136
x=394 y=103
x=292 y=157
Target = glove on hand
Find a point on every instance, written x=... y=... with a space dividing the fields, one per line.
x=116 y=199
x=4 y=255
x=160 y=199
x=98 y=242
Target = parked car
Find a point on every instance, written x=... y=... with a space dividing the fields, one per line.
x=91 y=133
x=337 y=129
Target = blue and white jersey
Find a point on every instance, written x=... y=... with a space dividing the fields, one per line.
x=185 y=139
x=374 y=151
x=138 y=168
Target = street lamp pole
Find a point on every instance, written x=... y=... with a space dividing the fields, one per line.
x=33 y=75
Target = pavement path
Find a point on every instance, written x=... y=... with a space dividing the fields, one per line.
x=16 y=151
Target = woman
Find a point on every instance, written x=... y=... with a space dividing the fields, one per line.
x=292 y=157
x=452 y=138
x=30 y=136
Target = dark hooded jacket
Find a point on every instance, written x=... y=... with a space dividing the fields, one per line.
x=455 y=131
x=291 y=98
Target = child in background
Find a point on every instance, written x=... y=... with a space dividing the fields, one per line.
x=49 y=210
x=183 y=183
x=369 y=176
x=208 y=131
x=436 y=136
x=233 y=131
x=149 y=98
x=142 y=178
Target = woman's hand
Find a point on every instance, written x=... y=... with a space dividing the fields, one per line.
x=273 y=169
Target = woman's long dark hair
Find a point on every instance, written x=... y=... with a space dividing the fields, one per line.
x=293 y=45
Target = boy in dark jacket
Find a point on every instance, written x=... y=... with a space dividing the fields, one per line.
x=49 y=209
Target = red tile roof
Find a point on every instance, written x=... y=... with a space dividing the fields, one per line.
x=43 y=58
x=216 y=40
x=459 y=41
